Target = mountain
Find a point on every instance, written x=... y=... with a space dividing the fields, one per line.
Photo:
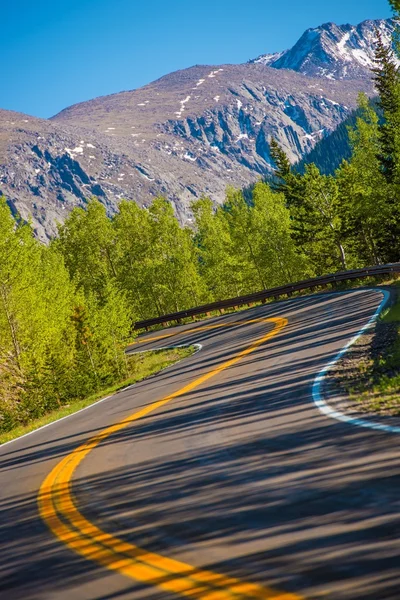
x=190 y=133
x=333 y=51
x=330 y=151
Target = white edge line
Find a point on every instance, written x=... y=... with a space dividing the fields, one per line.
x=197 y=346
x=317 y=395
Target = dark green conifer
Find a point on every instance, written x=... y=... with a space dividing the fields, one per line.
x=386 y=78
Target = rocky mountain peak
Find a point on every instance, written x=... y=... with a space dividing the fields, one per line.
x=190 y=133
x=333 y=51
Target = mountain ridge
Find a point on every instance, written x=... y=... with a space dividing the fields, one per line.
x=187 y=134
x=333 y=51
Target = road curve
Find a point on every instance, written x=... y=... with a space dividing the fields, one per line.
x=217 y=478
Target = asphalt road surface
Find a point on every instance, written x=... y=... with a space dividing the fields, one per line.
x=224 y=480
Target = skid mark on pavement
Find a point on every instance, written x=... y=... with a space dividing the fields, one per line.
x=59 y=511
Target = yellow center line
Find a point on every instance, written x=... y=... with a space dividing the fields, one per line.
x=59 y=511
x=200 y=328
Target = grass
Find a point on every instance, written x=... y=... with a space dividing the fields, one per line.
x=377 y=381
x=392 y=314
x=142 y=365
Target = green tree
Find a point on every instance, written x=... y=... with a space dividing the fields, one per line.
x=387 y=83
x=247 y=247
x=132 y=227
x=219 y=264
x=157 y=261
x=320 y=212
x=278 y=259
x=238 y=215
x=108 y=325
x=86 y=241
x=363 y=189
x=172 y=260
x=286 y=180
x=313 y=200
x=36 y=298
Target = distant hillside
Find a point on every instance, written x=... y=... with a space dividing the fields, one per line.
x=329 y=152
x=191 y=133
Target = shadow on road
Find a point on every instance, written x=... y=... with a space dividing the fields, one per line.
x=242 y=476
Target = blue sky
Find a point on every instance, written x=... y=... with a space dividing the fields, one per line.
x=54 y=54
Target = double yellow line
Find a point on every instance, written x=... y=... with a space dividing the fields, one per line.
x=199 y=328
x=58 y=509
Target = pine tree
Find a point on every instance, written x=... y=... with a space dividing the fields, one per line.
x=321 y=213
x=285 y=180
x=387 y=82
x=395 y=5
x=282 y=163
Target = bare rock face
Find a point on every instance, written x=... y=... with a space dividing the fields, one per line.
x=188 y=134
x=333 y=51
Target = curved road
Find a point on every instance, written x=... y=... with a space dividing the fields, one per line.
x=218 y=478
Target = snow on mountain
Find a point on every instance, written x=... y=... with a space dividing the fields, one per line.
x=190 y=133
x=333 y=51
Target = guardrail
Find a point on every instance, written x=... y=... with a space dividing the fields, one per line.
x=284 y=290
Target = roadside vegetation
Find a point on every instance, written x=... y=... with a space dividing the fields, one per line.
x=139 y=367
x=369 y=373
x=67 y=309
